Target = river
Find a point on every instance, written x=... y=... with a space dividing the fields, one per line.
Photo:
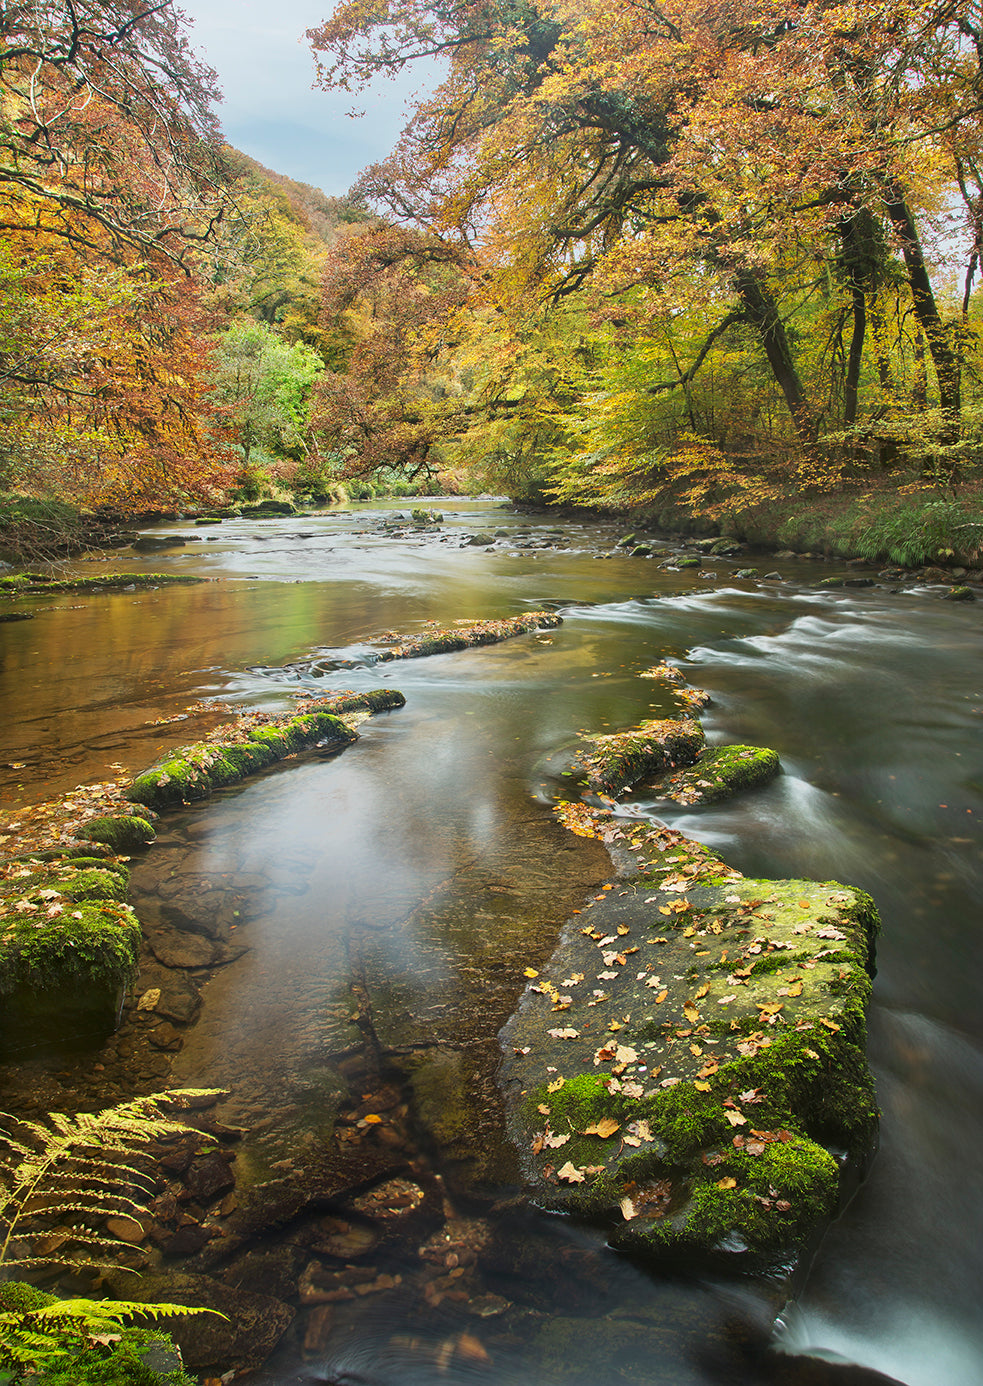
x=421 y=871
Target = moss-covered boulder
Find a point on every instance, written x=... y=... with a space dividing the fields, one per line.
x=719 y=773
x=434 y=640
x=613 y=762
x=193 y=772
x=121 y=832
x=68 y=948
x=691 y=1065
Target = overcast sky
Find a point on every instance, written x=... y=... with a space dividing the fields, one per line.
x=265 y=70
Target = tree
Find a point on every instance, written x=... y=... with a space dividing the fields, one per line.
x=107 y=132
x=391 y=401
x=748 y=156
x=260 y=388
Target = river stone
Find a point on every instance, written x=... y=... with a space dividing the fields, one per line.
x=174 y=948
x=692 y=1056
x=621 y=759
x=210 y=1344
x=720 y=773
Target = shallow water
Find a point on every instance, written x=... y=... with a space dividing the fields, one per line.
x=410 y=880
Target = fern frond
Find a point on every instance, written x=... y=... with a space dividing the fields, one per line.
x=112 y=1310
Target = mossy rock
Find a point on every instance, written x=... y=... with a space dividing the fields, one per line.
x=720 y=772
x=693 y=1056
x=652 y=748
x=122 y=832
x=313 y=727
x=92 y=943
x=273 y=739
x=466 y=637
x=959 y=594
x=193 y=772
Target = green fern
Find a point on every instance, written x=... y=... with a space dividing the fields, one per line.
x=84 y=1168
x=70 y=1173
x=49 y=1334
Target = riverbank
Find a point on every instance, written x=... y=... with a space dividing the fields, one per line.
x=911 y=527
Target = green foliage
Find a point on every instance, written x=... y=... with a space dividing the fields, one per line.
x=75 y=1171
x=84 y=1342
x=911 y=534
x=260 y=389
x=94 y=943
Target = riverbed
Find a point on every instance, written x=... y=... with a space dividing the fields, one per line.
x=389 y=900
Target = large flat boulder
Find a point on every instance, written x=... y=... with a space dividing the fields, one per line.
x=690 y=1067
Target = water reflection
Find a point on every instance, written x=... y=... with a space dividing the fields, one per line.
x=389 y=901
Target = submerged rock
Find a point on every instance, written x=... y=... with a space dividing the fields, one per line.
x=690 y=1067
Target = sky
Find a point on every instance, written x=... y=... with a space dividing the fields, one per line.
x=265 y=69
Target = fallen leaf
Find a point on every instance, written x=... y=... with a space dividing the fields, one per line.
x=565 y=1033
x=556 y=1085
x=704 y=989
x=570 y=1173
x=700 y=1087
x=604 y=1128
x=691 y=1012
x=628 y=1209
x=736 y=1118
x=530 y=972
x=727 y=1183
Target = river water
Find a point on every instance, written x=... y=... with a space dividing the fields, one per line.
x=390 y=898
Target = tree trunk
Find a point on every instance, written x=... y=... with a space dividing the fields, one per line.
x=762 y=312
x=946 y=361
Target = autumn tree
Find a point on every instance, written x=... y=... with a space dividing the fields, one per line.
x=753 y=161
x=393 y=292
x=111 y=183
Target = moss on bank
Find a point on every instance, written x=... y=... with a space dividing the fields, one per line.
x=31 y=584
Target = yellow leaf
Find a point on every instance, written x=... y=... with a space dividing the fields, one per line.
x=704 y=989
x=727 y=1183
x=691 y=1012
x=604 y=1128
x=701 y=1087
x=372 y=1119
x=530 y=972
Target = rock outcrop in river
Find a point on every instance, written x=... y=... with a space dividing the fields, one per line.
x=690 y=1066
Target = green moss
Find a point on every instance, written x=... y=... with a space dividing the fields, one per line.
x=307 y=730
x=122 y=832
x=791 y=1187
x=378 y=700
x=623 y=758
x=719 y=773
x=247 y=757
x=273 y=738
x=18 y=1297
x=96 y=943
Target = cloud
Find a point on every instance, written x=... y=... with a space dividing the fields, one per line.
x=269 y=111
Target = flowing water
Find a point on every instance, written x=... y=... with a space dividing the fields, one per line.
x=390 y=898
